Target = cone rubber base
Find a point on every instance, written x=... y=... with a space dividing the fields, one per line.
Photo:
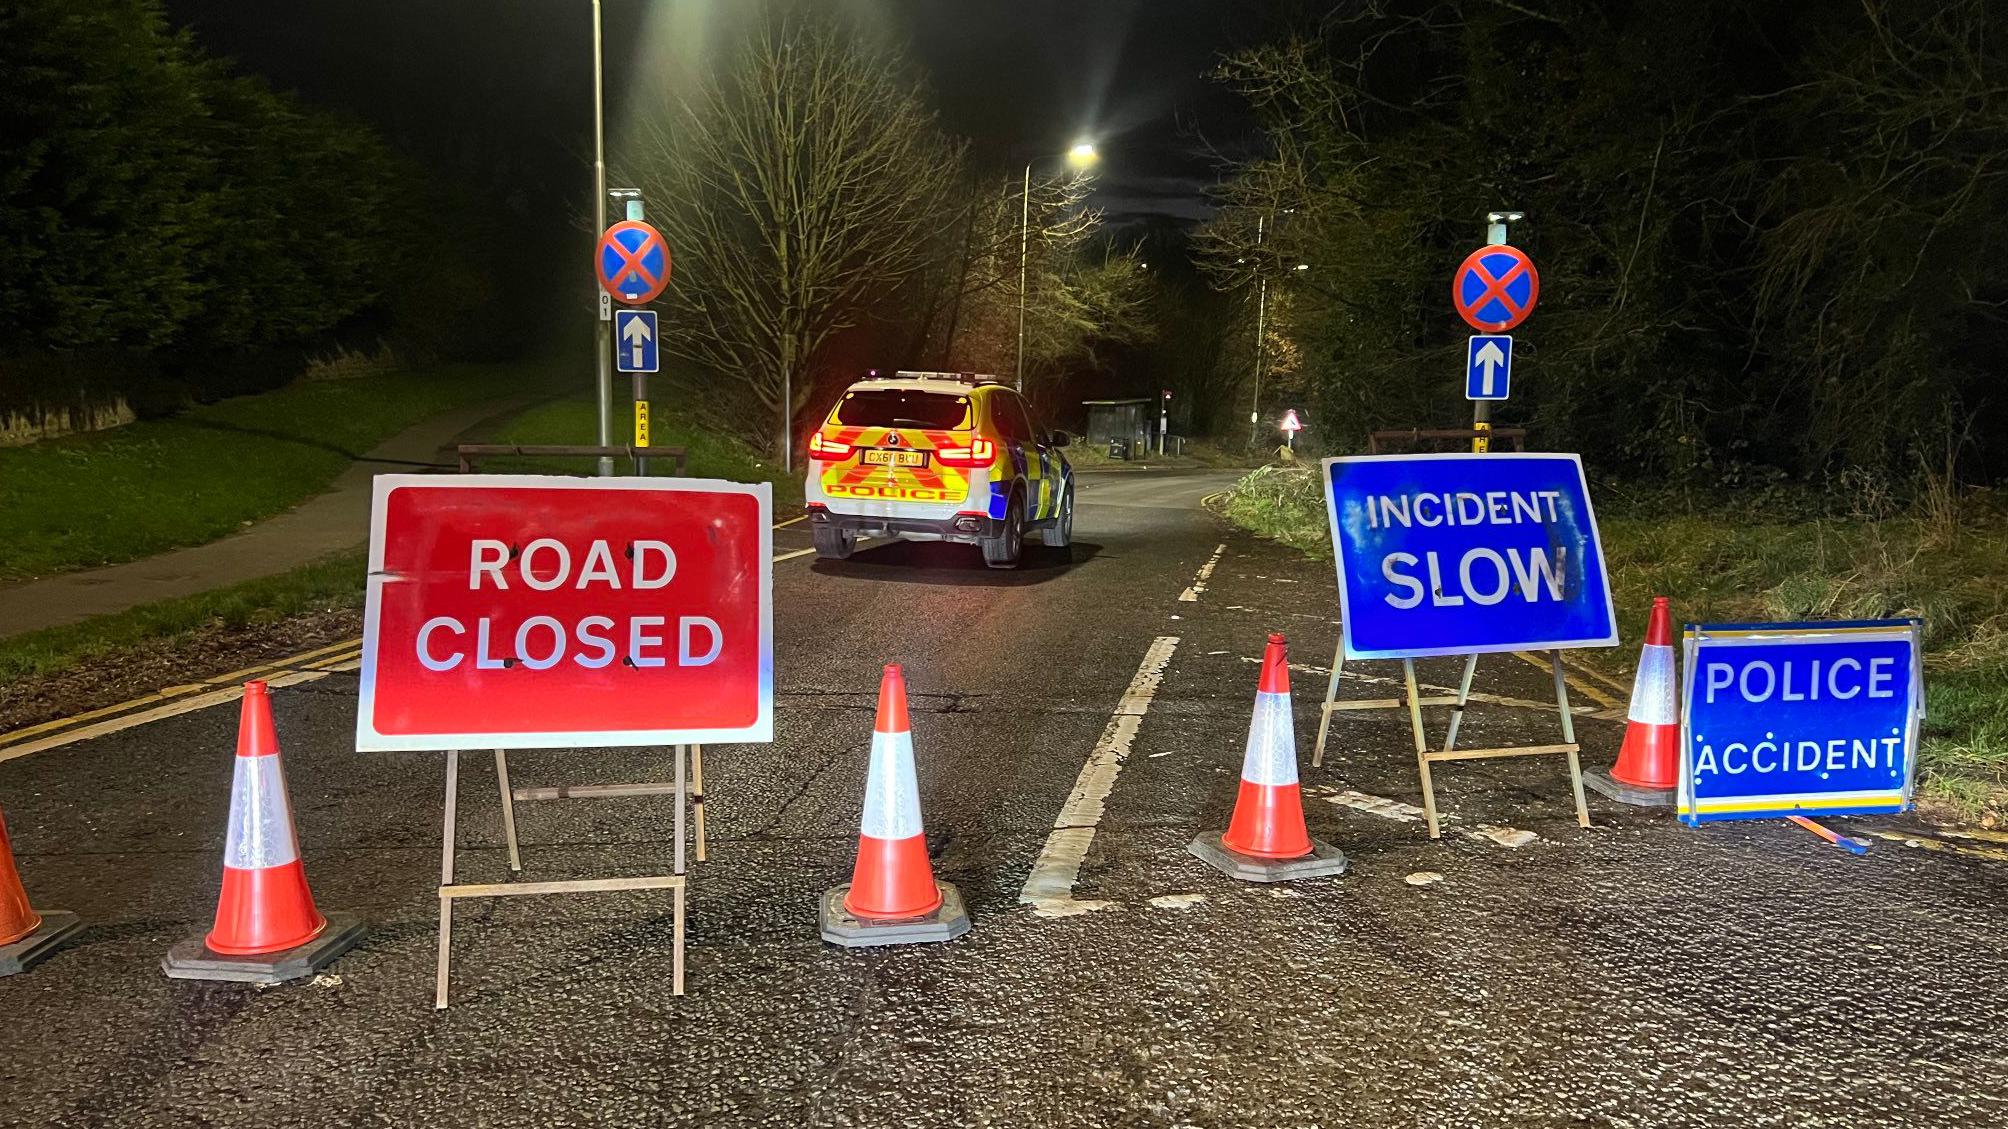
x=193 y=960
x=948 y=921
x=1604 y=784
x=1323 y=861
x=57 y=927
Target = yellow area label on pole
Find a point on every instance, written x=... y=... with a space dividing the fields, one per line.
x=641 y=423
x=1482 y=442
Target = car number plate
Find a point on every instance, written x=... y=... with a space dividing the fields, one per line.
x=888 y=457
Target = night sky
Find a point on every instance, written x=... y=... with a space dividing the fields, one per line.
x=499 y=91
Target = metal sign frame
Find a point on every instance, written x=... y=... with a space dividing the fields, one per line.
x=1694 y=639
x=689 y=763
x=1412 y=700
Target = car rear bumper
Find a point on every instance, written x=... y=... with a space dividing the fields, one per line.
x=968 y=528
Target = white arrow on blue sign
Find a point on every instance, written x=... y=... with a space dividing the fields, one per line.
x=1488 y=366
x=635 y=340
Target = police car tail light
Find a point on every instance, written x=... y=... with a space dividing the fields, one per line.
x=980 y=452
x=829 y=449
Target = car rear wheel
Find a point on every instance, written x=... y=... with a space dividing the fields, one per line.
x=832 y=543
x=1004 y=549
x=1059 y=536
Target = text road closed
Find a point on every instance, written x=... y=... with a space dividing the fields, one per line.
x=512 y=611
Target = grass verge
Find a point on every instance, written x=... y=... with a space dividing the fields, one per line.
x=330 y=584
x=1731 y=562
x=336 y=582
x=118 y=495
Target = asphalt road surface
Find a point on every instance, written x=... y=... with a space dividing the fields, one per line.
x=1637 y=973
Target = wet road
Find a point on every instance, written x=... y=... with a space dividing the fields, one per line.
x=1634 y=974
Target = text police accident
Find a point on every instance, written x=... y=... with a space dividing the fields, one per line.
x=1799 y=719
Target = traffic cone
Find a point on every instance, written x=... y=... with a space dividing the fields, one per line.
x=26 y=934
x=1648 y=767
x=892 y=897
x=1267 y=840
x=267 y=929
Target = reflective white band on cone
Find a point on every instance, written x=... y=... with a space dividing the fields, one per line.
x=1652 y=701
x=261 y=818
x=1271 y=756
x=892 y=794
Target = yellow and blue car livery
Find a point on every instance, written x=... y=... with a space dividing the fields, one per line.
x=937 y=457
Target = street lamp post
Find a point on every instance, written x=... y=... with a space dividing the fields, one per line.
x=603 y=341
x=1080 y=156
x=1261 y=310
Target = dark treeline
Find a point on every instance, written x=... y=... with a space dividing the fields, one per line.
x=1771 y=236
x=158 y=208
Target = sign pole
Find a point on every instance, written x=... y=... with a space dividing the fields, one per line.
x=1481 y=410
x=641 y=412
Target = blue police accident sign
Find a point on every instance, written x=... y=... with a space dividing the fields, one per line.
x=1799 y=719
x=1488 y=367
x=1463 y=553
x=634 y=340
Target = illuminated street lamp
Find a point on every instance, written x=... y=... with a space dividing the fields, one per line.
x=1080 y=158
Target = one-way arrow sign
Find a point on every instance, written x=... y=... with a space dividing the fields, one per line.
x=635 y=340
x=1488 y=367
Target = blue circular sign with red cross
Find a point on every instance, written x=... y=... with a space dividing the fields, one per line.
x=633 y=262
x=1496 y=288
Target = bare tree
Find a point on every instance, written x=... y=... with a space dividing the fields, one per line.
x=801 y=180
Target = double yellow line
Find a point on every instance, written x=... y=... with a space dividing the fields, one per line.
x=292 y=670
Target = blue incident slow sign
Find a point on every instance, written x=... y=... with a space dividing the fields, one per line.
x=1799 y=719
x=1464 y=553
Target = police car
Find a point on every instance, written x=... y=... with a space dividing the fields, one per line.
x=937 y=456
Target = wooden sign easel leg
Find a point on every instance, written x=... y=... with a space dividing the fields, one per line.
x=1463 y=698
x=1421 y=747
x=1331 y=704
x=676 y=927
x=446 y=877
x=508 y=810
x=697 y=795
x=1569 y=739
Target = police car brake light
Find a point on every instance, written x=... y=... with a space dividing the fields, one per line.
x=821 y=448
x=980 y=452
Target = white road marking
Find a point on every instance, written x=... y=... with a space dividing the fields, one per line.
x=1049 y=889
x=1191 y=594
x=1378 y=805
x=790 y=521
x=1178 y=901
x=1511 y=837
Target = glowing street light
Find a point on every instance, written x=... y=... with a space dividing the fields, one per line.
x=1080 y=158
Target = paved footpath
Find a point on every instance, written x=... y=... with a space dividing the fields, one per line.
x=1633 y=974
x=336 y=519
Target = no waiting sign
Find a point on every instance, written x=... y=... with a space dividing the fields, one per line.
x=525 y=611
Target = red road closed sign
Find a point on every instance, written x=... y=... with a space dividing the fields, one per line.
x=528 y=611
